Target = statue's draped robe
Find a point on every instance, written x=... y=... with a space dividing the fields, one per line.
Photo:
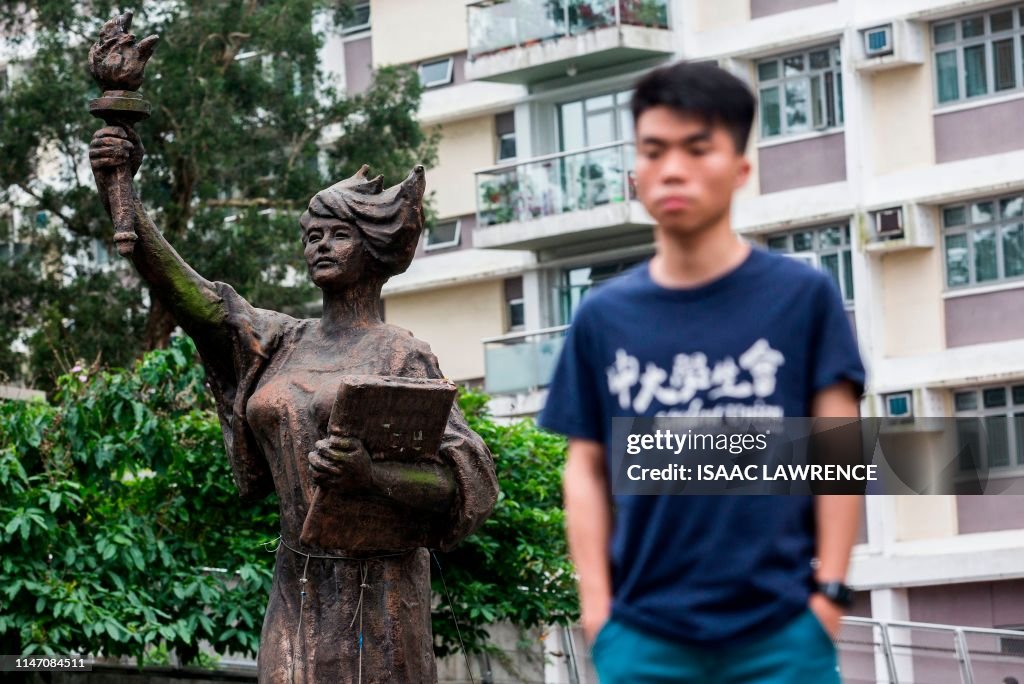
x=274 y=397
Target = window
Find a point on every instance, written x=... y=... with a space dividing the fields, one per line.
x=506 y=146
x=443 y=234
x=360 y=20
x=984 y=241
x=827 y=248
x=505 y=129
x=576 y=282
x=595 y=121
x=437 y=72
x=801 y=92
x=990 y=427
x=515 y=307
x=978 y=55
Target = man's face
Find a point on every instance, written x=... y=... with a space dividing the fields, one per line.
x=686 y=170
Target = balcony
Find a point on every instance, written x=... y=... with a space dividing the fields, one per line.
x=521 y=362
x=557 y=198
x=527 y=41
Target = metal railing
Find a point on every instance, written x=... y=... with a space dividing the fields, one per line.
x=521 y=361
x=898 y=652
x=497 y=25
x=555 y=184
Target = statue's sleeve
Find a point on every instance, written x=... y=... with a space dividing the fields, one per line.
x=253 y=335
x=464 y=452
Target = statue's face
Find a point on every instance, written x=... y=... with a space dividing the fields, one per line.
x=334 y=251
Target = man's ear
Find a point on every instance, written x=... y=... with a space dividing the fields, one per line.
x=742 y=172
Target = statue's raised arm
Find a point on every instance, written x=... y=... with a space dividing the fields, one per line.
x=118 y=62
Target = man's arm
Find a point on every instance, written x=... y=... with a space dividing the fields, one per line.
x=588 y=515
x=837 y=516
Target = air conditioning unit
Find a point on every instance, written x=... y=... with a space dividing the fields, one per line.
x=886 y=46
x=916 y=410
x=901 y=227
x=888 y=223
x=877 y=41
x=899 y=405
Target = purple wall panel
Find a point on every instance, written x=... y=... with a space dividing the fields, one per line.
x=764 y=8
x=979 y=131
x=990 y=513
x=358 y=65
x=813 y=161
x=990 y=317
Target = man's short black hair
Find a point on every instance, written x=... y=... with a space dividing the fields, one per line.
x=699 y=89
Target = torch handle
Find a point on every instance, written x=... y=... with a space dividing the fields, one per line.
x=122 y=211
x=122 y=200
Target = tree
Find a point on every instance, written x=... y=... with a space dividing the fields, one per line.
x=121 y=532
x=235 y=148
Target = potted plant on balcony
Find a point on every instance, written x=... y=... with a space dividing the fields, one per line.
x=652 y=13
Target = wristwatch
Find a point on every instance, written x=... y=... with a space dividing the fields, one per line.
x=836 y=592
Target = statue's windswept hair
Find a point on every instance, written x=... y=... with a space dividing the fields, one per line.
x=390 y=221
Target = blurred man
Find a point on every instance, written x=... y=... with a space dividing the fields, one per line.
x=700 y=588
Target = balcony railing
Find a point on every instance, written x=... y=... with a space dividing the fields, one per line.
x=555 y=184
x=521 y=361
x=496 y=25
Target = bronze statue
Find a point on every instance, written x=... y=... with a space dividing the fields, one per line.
x=356 y=614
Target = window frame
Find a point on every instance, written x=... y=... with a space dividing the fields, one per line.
x=455 y=242
x=988 y=38
x=778 y=83
x=501 y=138
x=1011 y=411
x=968 y=229
x=818 y=250
x=449 y=73
x=358 y=28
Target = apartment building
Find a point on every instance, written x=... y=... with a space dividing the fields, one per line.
x=888 y=151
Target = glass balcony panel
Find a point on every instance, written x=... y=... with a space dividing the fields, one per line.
x=492 y=27
x=555 y=185
x=540 y=20
x=652 y=13
x=496 y=25
x=588 y=15
x=522 y=362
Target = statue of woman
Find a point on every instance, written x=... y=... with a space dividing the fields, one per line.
x=333 y=616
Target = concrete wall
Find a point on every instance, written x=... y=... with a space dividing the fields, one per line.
x=722 y=13
x=453 y=320
x=979 y=131
x=802 y=163
x=405 y=31
x=764 y=8
x=913 y=311
x=989 y=317
x=465 y=146
x=901 y=122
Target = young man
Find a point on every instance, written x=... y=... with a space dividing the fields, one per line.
x=704 y=588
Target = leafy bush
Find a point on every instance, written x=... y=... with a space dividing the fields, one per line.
x=121 y=532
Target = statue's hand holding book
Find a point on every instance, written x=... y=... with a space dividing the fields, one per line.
x=375 y=421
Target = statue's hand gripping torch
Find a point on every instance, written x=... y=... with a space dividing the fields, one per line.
x=117 y=63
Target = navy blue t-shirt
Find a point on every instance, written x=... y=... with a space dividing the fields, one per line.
x=763 y=338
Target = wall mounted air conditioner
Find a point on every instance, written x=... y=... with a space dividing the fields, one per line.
x=886 y=46
x=906 y=226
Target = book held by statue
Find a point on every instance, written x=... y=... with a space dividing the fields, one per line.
x=396 y=419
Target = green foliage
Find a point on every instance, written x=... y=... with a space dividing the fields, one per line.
x=240 y=110
x=120 y=527
x=121 y=531
x=516 y=568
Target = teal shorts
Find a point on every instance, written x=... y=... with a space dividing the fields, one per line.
x=800 y=652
